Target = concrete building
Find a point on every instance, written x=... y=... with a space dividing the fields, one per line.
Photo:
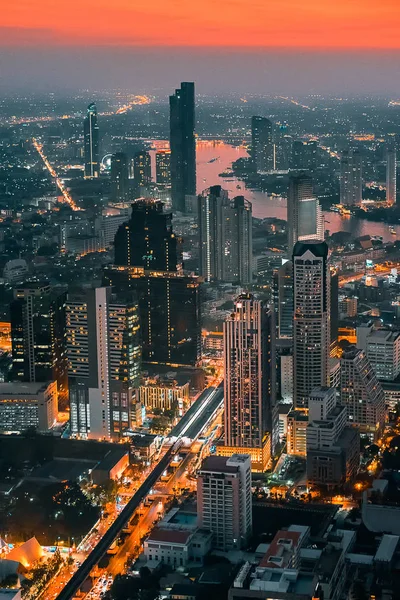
x=250 y=418
x=362 y=394
x=333 y=450
x=305 y=218
x=283 y=300
x=297 y=422
x=225 y=237
x=28 y=405
x=262 y=144
x=164 y=394
x=351 y=178
x=224 y=500
x=383 y=352
x=311 y=324
x=177 y=547
x=286 y=361
x=347 y=307
x=91 y=143
x=391 y=176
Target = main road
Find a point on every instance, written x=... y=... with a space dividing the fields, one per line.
x=191 y=425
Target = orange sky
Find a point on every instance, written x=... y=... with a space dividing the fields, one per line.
x=238 y=23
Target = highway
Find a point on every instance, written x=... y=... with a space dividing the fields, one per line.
x=191 y=424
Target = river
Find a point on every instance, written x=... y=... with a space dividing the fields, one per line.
x=267 y=206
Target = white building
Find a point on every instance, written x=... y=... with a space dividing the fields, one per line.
x=224 y=500
x=26 y=405
x=383 y=352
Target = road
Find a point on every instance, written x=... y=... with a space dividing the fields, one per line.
x=195 y=419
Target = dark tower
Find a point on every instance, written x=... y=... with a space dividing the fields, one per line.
x=183 y=145
x=91 y=142
x=119 y=177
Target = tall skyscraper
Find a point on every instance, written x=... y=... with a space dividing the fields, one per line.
x=262 y=144
x=225 y=231
x=183 y=145
x=391 y=175
x=148 y=262
x=311 y=324
x=147 y=239
x=224 y=500
x=362 y=394
x=104 y=353
x=305 y=219
x=304 y=155
x=163 y=167
x=119 y=177
x=351 y=178
x=38 y=337
x=283 y=300
x=142 y=168
x=251 y=423
x=91 y=143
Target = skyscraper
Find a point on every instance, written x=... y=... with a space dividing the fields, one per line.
x=351 y=178
x=224 y=500
x=142 y=168
x=183 y=145
x=225 y=231
x=311 y=324
x=119 y=177
x=91 y=143
x=305 y=219
x=148 y=262
x=362 y=394
x=147 y=239
x=104 y=353
x=304 y=155
x=251 y=424
x=391 y=174
x=38 y=337
x=163 y=167
x=283 y=300
x=262 y=144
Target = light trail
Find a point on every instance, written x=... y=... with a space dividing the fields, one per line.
x=296 y=103
x=67 y=196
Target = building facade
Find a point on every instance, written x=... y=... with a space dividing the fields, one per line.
x=262 y=144
x=91 y=143
x=351 y=178
x=305 y=218
x=391 y=176
x=119 y=177
x=26 y=406
x=163 y=167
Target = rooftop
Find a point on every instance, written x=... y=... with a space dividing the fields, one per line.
x=19 y=388
x=172 y=536
x=281 y=550
x=217 y=464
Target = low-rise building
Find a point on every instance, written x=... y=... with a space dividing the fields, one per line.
x=164 y=394
x=177 y=547
x=25 y=405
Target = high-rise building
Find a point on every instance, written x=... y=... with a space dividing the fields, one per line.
x=224 y=500
x=333 y=449
x=91 y=143
x=142 y=168
x=183 y=145
x=304 y=215
x=38 y=337
x=147 y=239
x=383 y=352
x=351 y=178
x=119 y=177
x=251 y=417
x=311 y=324
x=334 y=309
x=304 y=155
x=391 y=176
x=148 y=262
x=283 y=300
x=163 y=167
x=104 y=353
x=225 y=231
x=262 y=144
x=362 y=394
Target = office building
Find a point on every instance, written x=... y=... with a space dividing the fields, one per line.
x=347 y=307
x=283 y=300
x=262 y=144
x=304 y=156
x=286 y=375
x=183 y=145
x=91 y=143
x=224 y=500
x=164 y=394
x=26 y=406
x=362 y=394
x=350 y=178
x=391 y=176
x=383 y=353
x=334 y=310
x=38 y=336
x=311 y=324
x=304 y=215
x=107 y=225
x=333 y=449
x=104 y=354
x=142 y=169
x=251 y=419
x=119 y=177
x=163 y=167
x=297 y=422
x=225 y=234
x=147 y=239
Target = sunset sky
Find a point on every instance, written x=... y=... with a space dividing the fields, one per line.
x=334 y=24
